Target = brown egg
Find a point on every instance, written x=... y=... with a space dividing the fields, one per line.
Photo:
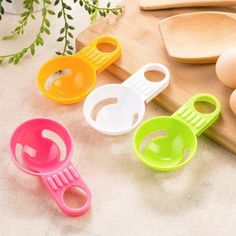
x=226 y=68
x=232 y=102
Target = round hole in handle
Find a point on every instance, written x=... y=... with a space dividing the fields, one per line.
x=154 y=75
x=204 y=107
x=75 y=197
x=106 y=47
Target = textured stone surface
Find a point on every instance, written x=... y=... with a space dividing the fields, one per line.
x=128 y=198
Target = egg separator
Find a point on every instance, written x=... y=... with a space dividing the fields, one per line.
x=36 y=148
x=76 y=74
x=169 y=143
x=123 y=104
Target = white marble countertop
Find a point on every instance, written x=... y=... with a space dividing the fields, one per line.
x=128 y=198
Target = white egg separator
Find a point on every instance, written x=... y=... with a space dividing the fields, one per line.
x=115 y=109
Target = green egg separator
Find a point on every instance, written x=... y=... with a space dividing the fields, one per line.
x=168 y=143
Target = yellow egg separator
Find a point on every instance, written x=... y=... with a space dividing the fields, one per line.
x=68 y=79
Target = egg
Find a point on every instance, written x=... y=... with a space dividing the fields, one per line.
x=226 y=68
x=232 y=102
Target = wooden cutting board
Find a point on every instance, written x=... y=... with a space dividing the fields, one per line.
x=141 y=41
x=167 y=4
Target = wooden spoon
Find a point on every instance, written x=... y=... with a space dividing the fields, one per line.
x=165 y=4
x=198 y=37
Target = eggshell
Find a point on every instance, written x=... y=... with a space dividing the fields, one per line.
x=226 y=68
x=232 y=102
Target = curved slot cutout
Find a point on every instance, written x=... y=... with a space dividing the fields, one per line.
x=204 y=107
x=75 y=197
x=55 y=75
x=31 y=152
x=156 y=134
x=186 y=153
x=101 y=104
x=57 y=140
x=19 y=156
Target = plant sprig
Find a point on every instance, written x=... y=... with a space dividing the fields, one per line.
x=38 y=41
x=92 y=6
x=29 y=6
x=94 y=15
x=66 y=32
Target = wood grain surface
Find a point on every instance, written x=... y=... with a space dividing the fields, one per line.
x=160 y=4
x=141 y=40
x=198 y=37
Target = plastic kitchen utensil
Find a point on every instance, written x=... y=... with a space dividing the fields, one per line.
x=116 y=109
x=76 y=75
x=36 y=148
x=169 y=143
x=167 y=4
x=187 y=80
x=199 y=37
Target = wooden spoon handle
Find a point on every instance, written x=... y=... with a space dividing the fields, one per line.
x=160 y=4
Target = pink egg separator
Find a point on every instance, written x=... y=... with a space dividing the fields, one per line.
x=34 y=149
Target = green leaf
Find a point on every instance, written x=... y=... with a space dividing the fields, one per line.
x=71 y=27
x=59 y=14
x=11 y=59
x=70 y=35
x=7 y=37
x=47 y=31
x=70 y=17
x=16 y=59
x=68 y=7
x=32 y=49
x=56 y=2
x=60 y=39
x=115 y=12
x=47 y=23
x=69 y=52
x=62 y=30
x=51 y=12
